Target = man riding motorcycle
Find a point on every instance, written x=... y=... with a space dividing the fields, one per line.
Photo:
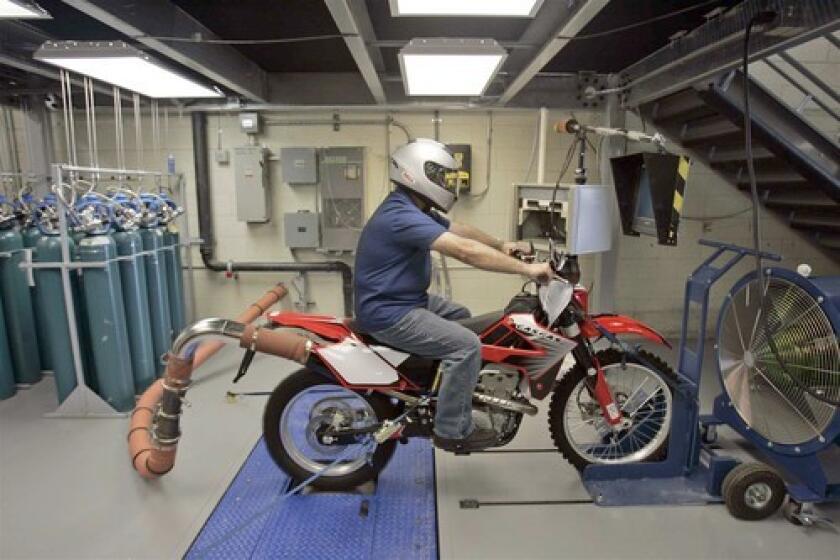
x=393 y=274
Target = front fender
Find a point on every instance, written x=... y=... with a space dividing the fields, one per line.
x=620 y=324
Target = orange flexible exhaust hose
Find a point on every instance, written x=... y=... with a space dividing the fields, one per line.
x=251 y=314
x=154 y=428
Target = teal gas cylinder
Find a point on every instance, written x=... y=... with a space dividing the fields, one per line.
x=31 y=236
x=17 y=303
x=57 y=332
x=136 y=300
x=106 y=323
x=7 y=373
x=158 y=286
x=175 y=278
x=104 y=305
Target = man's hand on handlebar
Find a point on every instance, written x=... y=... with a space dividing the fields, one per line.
x=518 y=249
x=541 y=272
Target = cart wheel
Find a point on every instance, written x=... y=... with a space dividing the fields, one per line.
x=753 y=491
x=708 y=433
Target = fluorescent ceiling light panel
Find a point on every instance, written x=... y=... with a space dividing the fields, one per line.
x=453 y=67
x=20 y=9
x=477 y=8
x=121 y=65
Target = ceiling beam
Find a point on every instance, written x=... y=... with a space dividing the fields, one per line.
x=354 y=22
x=571 y=25
x=143 y=21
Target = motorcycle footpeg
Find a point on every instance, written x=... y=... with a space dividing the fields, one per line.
x=388 y=430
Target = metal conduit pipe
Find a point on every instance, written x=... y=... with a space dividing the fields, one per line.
x=387 y=121
x=155 y=430
x=207 y=232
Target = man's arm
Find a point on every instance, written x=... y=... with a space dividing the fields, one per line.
x=481 y=256
x=470 y=232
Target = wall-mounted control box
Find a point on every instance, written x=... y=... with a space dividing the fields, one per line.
x=299 y=165
x=253 y=198
x=341 y=194
x=249 y=123
x=301 y=230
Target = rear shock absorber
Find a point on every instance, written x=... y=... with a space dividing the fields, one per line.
x=584 y=354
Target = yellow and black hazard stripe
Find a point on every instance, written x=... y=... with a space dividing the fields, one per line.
x=679 y=195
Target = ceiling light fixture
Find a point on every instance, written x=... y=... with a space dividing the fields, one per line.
x=21 y=9
x=124 y=66
x=477 y=8
x=457 y=67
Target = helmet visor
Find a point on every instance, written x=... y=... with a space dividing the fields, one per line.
x=436 y=173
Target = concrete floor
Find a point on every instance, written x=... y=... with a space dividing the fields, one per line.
x=67 y=490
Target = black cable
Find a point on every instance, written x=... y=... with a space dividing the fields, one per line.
x=570 y=154
x=274 y=41
x=282 y=40
x=765 y=306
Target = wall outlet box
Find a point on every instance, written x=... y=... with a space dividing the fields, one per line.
x=301 y=231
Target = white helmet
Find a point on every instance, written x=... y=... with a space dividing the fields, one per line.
x=421 y=166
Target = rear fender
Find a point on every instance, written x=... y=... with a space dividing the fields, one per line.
x=620 y=324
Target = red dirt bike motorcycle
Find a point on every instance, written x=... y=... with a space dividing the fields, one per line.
x=612 y=406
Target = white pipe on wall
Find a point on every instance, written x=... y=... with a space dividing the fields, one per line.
x=541 y=148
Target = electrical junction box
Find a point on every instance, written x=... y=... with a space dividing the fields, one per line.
x=300 y=230
x=253 y=200
x=249 y=123
x=299 y=165
x=459 y=181
x=222 y=157
x=341 y=196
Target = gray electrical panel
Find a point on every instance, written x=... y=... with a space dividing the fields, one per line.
x=341 y=197
x=299 y=165
x=300 y=230
x=253 y=199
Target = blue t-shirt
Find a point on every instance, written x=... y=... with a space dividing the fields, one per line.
x=393 y=263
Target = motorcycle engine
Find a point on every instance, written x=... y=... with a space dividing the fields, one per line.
x=503 y=383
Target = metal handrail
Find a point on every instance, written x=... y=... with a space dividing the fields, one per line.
x=808 y=75
x=802 y=89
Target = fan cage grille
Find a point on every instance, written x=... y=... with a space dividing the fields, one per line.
x=764 y=394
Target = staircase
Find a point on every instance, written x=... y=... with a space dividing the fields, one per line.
x=797 y=166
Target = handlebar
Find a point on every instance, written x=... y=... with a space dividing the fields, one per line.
x=739 y=249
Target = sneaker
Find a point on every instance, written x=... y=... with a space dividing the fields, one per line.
x=480 y=438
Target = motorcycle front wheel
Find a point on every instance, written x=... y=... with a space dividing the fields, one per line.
x=580 y=431
x=301 y=408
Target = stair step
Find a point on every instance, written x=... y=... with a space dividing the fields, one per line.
x=680 y=103
x=705 y=129
x=800 y=198
x=829 y=240
x=821 y=222
x=779 y=177
x=732 y=154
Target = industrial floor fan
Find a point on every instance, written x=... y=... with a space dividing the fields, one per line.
x=779 y=362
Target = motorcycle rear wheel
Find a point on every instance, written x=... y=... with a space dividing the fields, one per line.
x=290 y=437
x=578 y=429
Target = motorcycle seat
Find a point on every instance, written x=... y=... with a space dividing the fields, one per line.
x=477 y=324
x=481 y=323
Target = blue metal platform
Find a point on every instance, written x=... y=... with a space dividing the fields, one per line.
x=398 y=521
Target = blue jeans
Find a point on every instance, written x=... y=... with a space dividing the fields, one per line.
x=432 y=333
